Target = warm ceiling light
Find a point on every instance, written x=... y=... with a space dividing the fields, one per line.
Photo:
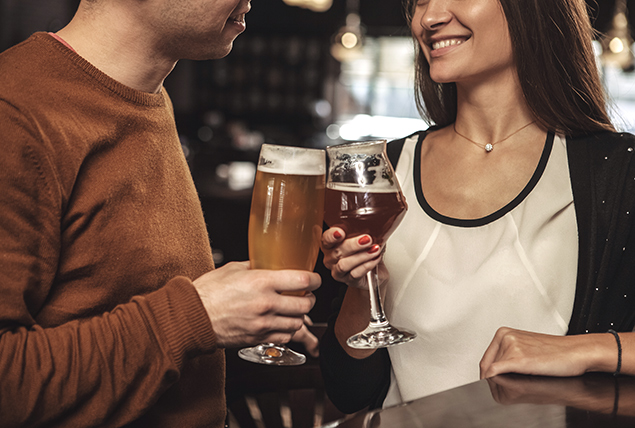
x=314 y=5
x=616 y=45
x=349 y=40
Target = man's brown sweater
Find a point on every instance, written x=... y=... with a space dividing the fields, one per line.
x=101 y=233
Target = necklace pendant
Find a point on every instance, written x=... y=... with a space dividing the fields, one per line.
x=488 y=147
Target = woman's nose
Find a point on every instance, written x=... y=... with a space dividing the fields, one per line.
x=436 y=13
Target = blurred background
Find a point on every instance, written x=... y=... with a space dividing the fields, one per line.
x=307 y=73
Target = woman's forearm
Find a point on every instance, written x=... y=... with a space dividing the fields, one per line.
x=353 y=318
x=517 y=351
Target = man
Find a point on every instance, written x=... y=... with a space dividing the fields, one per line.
x=110 y=310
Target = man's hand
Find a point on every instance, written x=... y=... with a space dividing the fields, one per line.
x=308 y=339
x=246 y=308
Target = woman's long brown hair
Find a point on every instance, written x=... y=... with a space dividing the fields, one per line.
x=551 y=41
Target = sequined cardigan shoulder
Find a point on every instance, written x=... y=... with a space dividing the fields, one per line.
x=602 y=168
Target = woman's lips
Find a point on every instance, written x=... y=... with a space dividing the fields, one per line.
x=441 y=46
x=446 y=43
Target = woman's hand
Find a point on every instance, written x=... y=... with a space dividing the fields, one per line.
x=517 y=351
x=350 y=259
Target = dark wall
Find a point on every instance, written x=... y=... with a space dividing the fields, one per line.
x=601 y=12
x=20 y=18
x=380 y=17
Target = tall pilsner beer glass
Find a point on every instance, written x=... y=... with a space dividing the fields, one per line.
x=285 y=224
x=364 y=197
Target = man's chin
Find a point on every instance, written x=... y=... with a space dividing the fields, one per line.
x=217 y=53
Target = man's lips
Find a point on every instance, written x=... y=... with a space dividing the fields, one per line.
x=240 y=18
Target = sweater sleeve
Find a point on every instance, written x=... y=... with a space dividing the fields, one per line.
x=103 y=370
x=76 y=374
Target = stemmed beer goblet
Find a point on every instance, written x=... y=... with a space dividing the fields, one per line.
x=363 y=197
x=285 y=224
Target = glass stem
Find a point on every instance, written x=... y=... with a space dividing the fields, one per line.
x=377 y=316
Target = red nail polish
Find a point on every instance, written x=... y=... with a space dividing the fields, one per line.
x=364 y=240
x=337 y=234
x=373 y=249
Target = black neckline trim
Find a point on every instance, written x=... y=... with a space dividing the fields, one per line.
x=540 y=169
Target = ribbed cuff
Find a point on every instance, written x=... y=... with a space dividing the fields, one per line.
x=182 y=319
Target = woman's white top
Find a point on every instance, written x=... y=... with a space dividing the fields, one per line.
x=455 y=282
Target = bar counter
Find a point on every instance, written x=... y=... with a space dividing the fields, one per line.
x=595 y=400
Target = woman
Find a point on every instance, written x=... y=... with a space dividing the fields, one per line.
x=517 y=241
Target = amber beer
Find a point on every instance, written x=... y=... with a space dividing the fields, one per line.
x=376 y=213
x=285 y=223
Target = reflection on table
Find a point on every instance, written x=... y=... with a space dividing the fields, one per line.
x=593 y=400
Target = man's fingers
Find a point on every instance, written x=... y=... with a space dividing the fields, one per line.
x=308 y=339
x=294 y=280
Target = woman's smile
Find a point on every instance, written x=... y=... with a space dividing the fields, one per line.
x=440 y=47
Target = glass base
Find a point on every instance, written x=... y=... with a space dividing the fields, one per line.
x=272 y=354
x=380 y=336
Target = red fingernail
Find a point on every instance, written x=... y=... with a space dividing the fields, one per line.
x=373 y=249
x=337 y=234
x=364 y=240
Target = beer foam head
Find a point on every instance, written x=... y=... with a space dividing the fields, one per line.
x=361 y=167
x=382 y=187
x=291 y=160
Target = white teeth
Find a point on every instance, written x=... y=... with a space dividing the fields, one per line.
x=446 y=43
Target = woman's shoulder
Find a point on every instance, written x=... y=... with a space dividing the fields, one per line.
x=608 y=156
x=601 y=145
x=417 y=134
x=394 y=147
x=604 y=138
